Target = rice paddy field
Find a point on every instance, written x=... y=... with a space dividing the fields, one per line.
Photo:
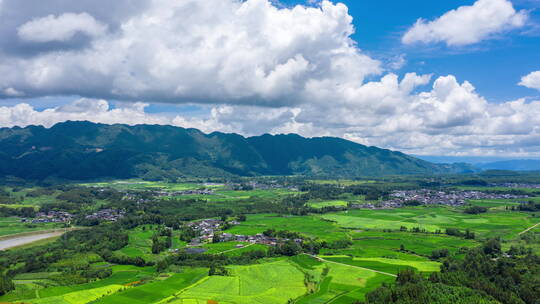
x=373 y=244
x=338 y=282
x=336 y=203
x=272 y=282
x=496 y=223
x=311 y=226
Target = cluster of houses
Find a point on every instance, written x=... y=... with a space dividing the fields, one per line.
x=111 y=215
x=433 y=197
x=183 y=192
x=390 y=204
x=207 y=228
x=50 y=217
x=516 y=185
x=452 y=198
x=255 y=185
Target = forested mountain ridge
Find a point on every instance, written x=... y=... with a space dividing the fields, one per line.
x=85 y=150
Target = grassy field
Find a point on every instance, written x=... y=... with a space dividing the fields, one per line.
x=388 y=265
x=311 y=226
x=323 y=204
x=137 y=184
x=506 y=224
x=494 y=204
x=272 y=282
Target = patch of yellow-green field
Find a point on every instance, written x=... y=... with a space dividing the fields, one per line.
x=79 y=297
x=17 y=206
x=192 y=301
x=347 y=275
x=424 y=266
x=373 y=223
x=320 y=205
x=273 y=282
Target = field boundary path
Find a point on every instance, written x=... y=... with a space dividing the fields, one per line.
x=372 y=270
x=528 y=229
x=229 y=250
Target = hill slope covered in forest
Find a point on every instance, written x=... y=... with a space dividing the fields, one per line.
x=84 y=150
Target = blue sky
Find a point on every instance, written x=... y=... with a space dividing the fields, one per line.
x=455 y=78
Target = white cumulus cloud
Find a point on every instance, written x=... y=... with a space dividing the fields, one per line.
x=212 y=51
x=467 y=24
x=531 y=80
x=95 y=110
x=60 y=28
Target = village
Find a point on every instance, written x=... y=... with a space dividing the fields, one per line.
x=50 y=217
x=111 y=215
x=433 y=197
x=209 y=230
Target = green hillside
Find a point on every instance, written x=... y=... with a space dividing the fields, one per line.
x=84 y=150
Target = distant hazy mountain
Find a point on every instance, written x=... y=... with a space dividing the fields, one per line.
x=84 y=150
x=514 y=165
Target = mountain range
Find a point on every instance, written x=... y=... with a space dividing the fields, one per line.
x=85 y=150
x=514 y=165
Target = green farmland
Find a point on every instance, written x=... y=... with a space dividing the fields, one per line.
x=348 y=254
x=496 y=223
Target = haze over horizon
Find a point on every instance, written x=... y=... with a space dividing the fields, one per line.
x=458 y=79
